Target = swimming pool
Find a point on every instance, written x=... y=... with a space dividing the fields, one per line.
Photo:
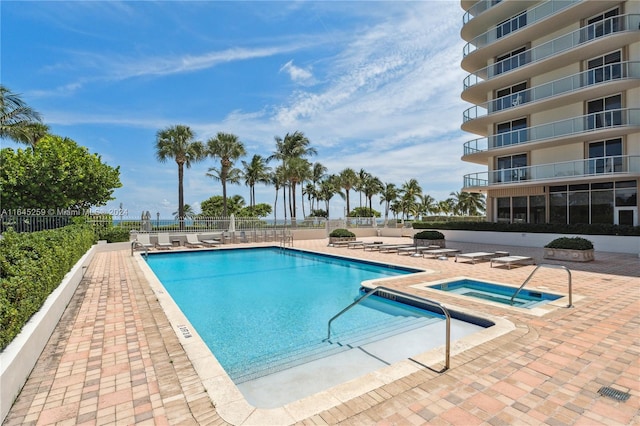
x=261 y=310
x=492 y=292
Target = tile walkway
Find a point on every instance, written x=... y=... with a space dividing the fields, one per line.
x=115 y=359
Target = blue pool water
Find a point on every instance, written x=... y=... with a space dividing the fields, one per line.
x=261 y=308
x=496 y=293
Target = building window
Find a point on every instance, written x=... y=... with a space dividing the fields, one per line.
x=605 y=156
x=537 y=209
x=511 y=168
x=510 y=97
x=604 y=112
x=504 y=209
x=519 y=209
x=603 y=24
x=579 y=203
x=604 y=68
x=602 y=202
x=558 y=207
x=511 y=132
x=626 y=194
x=511 y=60
x=511 y=25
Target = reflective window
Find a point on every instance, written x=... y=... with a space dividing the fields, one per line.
x=604 y=112
x=604 y=68
x=511 y=60
x=511 y=132
x=511 y=25
x=605 y=156
x=537 y=209
x=605 y=23
x=510 y=97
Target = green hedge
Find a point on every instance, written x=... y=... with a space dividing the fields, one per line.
x=575 y=243
x=341 y=233
x=429 y=235
x=551 y=228
x=32 y=265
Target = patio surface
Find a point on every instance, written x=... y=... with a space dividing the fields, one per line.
x=114 y=358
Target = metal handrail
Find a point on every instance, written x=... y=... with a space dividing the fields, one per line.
x=408 y=296
x=138 y=243
x=546 y=265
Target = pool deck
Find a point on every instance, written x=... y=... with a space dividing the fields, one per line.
x=115 y=359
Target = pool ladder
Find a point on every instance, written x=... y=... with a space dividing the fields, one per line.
x=386 y=292
x=546 y=265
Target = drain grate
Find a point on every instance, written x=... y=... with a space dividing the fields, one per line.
x=614 y=393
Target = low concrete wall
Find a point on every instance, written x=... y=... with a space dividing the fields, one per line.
x=18 y=359
x=608 y=243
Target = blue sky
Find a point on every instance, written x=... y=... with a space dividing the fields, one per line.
x=373 y=85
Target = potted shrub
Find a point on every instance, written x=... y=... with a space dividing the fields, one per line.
x=341 y=235
x=575 y=249
x=429 y=238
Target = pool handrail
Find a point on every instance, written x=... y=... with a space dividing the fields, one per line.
x=135 y=244
x=435 y=304
x=546 y=265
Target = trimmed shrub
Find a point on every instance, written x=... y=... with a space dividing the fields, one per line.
x=575 y=243
x=113 y=234
x=429 y=235
x=341 y=233
x=32 y=265
x=552 y=228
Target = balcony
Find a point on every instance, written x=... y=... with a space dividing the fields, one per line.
x=615 y=72
x=517 y=22
x=615 y=121
x=592 y=37
x=605 y=167
x=477 y=9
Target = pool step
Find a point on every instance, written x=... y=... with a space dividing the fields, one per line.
x=343 y=342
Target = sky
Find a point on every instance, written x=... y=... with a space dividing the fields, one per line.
x=373 y=86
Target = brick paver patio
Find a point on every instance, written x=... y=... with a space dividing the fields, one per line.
x=115 y=359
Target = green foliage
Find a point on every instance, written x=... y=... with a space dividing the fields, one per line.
x=259 y=210
x=552 y=228
x=113 y=234
x=364 y=212
x=341 y=233
x=319 y=213
x=58 y=174
x=575 y=243
x=32 y=265
x=429 y=235
x=214 y=206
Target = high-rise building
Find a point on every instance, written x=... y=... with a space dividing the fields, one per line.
x=555 y=88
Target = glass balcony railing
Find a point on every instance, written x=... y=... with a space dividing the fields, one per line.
x=604 y=74
x=557 y=129
x=620 y=164
x=477 y=9
x=529 y=17
x=616 y=24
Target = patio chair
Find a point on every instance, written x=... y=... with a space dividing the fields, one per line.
x=193 y=242
x=164 y=242
x=144 y=241
x=211 y=240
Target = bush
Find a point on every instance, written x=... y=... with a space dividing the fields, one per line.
x=341 y=233
x=429 y=235
x=575 y=243
x=113 y=234
x=32 y=265
x=552 y=228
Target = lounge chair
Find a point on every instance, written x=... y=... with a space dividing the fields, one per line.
x=478 y=255
x=394 y=247
x=355 y=244
x=143 y=240
x=413 y=250
x=242 y=238
x=510 y=260
x=440 y=252
x=193 y=242
x=341 y=243
x=372 y=246
x=164 y=242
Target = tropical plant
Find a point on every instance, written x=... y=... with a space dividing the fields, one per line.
x=18 y=121
x=329 y=187
x=348 y=179
x=575 y=243
x=410 y=192
x=427 y=204
x=388 y=194
x=364 y=212
x=297 y=170
x=228 y=148
x=255 y=171
x=178 y=142
x=59 y=174
x=341 y=233
x=429 y=235
x=371 y=186
x=189 y=213
x=214 y=206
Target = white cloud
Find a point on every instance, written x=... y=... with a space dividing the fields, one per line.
x=297 y=74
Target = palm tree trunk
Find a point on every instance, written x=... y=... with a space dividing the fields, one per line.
x=181 y=195
x=224 y=198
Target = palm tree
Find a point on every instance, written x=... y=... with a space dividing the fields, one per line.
x=18 y=121
x=370 y=187
x=295 y=145
x=318 y=172
x=348 y=179
x=388 y=194
x=177 y=142
x=427 y=204
x=468 y=203
x=228 y=148
x=297 y=171
x=359 y=186
x=188 y=213
x=410 y=192
x=255 y=172
x=328 y=187
x=446 y=206
x=276 y=178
